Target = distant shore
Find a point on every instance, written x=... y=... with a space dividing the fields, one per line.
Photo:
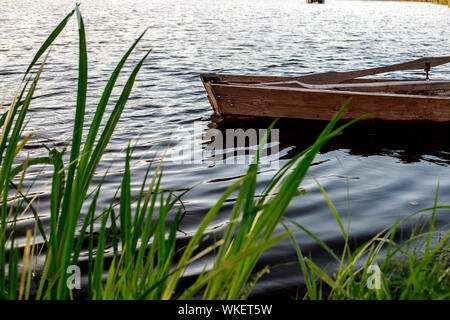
x=444 y=2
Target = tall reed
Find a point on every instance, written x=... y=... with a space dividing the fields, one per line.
x=141 y=263
x=383 y=267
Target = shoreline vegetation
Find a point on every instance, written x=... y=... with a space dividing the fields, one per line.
x=444 y=2
x=128 y=250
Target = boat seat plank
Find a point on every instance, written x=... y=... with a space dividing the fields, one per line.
x=405 y=86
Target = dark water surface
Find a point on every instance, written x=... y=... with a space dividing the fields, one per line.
x=392 y=169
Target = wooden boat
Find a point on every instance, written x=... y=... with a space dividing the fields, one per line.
x=320 y=96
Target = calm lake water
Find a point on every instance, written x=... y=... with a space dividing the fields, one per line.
x=391 y=170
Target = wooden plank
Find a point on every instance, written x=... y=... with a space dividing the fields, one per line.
x=211 y=98
x=250 y=79
x=337 y=77
x=258 y=79
x=371 y=80
x=380 y=86
x=323 y=104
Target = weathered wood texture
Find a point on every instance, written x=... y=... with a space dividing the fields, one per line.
x=211 y=97
x=337 y=77
x=250 y=79
x=323 y=104
x=268 y=79
x=379 y=86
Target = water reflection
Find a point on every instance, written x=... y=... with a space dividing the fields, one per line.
x=408 y=142
x=267 y=37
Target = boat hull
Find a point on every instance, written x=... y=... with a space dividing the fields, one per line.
x=285 y=102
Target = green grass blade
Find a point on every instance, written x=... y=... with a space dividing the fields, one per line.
x=310 y=289
x=111 y=124
x=78 y=121
x=100 y=110
x=195 y=240
x=49 y=41
x=315 y=238
x=432 y=220
x=71 y=206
